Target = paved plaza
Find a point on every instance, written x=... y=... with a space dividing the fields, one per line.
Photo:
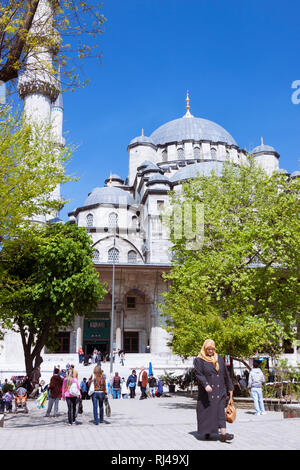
x=166 y=423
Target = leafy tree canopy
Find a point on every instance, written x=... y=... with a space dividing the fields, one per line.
x=67 y=28
x=241 y=288
x=31 y=166
x=47 y=278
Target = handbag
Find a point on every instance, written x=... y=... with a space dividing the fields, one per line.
x=74 y=390
x=91 y=389
x=230 y=413
x=107 y=407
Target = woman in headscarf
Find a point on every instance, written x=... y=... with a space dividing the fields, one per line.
x=214 y=384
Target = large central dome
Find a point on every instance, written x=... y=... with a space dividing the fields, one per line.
x=191 y=128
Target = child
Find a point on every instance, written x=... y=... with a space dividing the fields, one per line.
x=9 y=397
x=124 y=390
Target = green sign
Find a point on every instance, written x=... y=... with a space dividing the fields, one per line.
x=97 y=327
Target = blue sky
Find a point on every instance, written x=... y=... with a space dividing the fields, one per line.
x=238 y=60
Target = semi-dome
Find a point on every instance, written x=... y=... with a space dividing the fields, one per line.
x=191 y=128
x=202 y=168
x=109 y=195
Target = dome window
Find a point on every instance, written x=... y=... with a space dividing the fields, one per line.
x=96 y=256
x=134 y=221
x=197 y=154
x=90 y=220
x=113 y=220
x=164 y=155
x=113 y=255
x=180 y=153
x=132 y=258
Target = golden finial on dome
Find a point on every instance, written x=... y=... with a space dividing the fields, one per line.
x=110 y=180
x=262 y=141
x=142 y=132
x=187 y=99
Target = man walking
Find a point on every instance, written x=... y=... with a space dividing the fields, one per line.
x=36 y=375
x=131 y=383
x=55 y=388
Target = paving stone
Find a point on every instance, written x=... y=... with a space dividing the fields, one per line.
x=152 y=424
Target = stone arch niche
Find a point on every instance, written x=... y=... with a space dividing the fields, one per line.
x=135 y=320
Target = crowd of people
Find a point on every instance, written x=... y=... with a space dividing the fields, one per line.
x=214 y=387
x=64 y=385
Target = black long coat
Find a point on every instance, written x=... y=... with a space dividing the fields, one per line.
x=211 y=406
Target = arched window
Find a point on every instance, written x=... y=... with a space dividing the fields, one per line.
x=213 y=153
x=113 y=255
x=134 y=221
x=180 y=153
x=197 y=153
x=90 y=220
x=164 y=155
x=227 y=154
x=113 y=220
x=132 y=258
x=96 y=256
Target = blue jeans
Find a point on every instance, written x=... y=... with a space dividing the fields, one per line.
x=98 y=399
x=116 y=393
x=152 y=391
x=256 y=394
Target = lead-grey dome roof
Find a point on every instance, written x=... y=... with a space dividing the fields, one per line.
x=263 y=148
x=109 y=195
x=142 y=139
x=203 y=168
x=191 y=128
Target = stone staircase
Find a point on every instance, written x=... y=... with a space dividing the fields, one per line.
x=160 y=364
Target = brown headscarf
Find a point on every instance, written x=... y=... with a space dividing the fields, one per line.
x=203 y=355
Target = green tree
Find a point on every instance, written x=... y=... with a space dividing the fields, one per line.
x=241 y=288
x=31 y=166
x=48 y=278
x=69 y=29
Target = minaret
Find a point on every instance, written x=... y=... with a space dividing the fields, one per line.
x=38 y=87
x=57 y=114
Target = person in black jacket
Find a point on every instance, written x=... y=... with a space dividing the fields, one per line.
x=131 y=383
x=152 y=385
x=214 y=384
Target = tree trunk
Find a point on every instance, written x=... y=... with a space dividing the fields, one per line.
x=9 y=70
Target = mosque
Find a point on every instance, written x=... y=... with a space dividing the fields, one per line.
x=124 y=220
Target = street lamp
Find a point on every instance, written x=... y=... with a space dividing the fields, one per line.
x=112 y=304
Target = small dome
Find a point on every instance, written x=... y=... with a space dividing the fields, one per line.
x=142 y=139
x=196 y=129
x=109 y=195
x=147 y=164
x=158 y=178
x=295 y=174
x=263 y=148
x=203 y=168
